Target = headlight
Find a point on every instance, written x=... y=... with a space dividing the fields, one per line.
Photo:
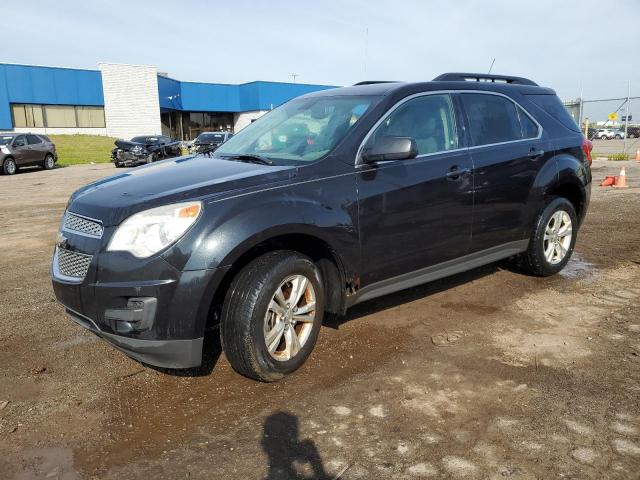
x=148 y=232
x=137 y=149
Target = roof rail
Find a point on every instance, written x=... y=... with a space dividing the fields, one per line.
x=373 y=82
x=483 y=77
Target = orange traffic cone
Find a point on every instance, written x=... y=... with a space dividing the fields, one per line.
x=621 y=180
x=637 y=155
x=608 y=181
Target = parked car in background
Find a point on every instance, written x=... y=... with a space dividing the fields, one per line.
x=633 y=132
x=207 y=142
x=144 y=149
x=609 y=134
x=26 y=149
x=332 y=199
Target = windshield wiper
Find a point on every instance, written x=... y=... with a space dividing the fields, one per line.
x=245 y=157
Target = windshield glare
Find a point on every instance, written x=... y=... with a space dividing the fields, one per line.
x=302 y=130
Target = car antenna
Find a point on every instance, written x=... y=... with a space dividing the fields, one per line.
x=491 y=67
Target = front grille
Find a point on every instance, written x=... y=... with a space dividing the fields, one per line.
x=73 y=264
x=93 y=228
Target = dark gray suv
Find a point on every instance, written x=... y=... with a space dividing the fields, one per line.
x=26 y=149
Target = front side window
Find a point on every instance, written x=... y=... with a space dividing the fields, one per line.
x=20 y=141
x=492 y=118
x=428 y=119
x=301 y=130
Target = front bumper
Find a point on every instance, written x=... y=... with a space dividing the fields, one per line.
x=111 y=302
x=129 y=159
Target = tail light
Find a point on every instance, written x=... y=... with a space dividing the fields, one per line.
x=587 y=146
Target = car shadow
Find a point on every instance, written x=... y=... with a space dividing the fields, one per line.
x=289 y=456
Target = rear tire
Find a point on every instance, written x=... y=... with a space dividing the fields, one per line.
x=552 y=239
x=9 y=166
x=268 y=331
x=49 y=162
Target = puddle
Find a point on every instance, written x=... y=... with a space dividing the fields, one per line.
x=578 y=268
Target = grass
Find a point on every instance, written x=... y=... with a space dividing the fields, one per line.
x=82 y=149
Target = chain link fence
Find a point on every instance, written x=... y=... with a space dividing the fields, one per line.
x=609 y=113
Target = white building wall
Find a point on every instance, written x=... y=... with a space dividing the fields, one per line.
x=131 y=103
x=241 y=120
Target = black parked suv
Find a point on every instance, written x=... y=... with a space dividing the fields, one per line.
x=25 y=150
x=332 y=199
x=207 y=142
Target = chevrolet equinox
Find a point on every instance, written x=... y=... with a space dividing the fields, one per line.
x=331 y=199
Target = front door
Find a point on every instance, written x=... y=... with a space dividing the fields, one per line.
x=21 y=151
x=416 y=213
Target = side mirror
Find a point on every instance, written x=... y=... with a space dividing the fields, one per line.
x=390 y=148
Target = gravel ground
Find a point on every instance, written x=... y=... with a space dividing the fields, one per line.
x=488 y=374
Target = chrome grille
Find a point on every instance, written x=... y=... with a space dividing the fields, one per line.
x=73 y=264
x=93 y=228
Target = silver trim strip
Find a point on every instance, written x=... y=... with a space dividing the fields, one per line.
x=358 y=160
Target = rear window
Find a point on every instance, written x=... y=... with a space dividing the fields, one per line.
x=554 y=107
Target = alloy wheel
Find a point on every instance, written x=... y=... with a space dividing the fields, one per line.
x=557 y=237
x=289 y=319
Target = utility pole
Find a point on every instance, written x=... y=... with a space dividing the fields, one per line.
x=626 y=119
x=366 y=50
x=294 y=76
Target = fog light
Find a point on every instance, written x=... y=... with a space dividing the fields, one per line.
x=138 y=315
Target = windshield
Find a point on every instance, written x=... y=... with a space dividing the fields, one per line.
x=210 y=137
x=6 y=140
x=302 y=130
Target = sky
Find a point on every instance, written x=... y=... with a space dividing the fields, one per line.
x=575 y=47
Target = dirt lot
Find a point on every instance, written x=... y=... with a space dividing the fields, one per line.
x=490 y=374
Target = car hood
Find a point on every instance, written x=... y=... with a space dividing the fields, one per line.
x=115 y=198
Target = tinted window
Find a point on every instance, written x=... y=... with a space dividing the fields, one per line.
x=554 y=107
x=32 y=139
x=529 y=127
x=20 y=141
x=427 y=119
x=492 y=118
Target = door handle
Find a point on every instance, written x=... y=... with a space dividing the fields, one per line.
x=535 y=153
x=455 y=173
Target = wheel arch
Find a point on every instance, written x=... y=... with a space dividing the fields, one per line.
x=312 y=245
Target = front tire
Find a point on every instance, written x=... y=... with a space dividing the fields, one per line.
x=552 y=240
x=9 y=166
x=272 y=315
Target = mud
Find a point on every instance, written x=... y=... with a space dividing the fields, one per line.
x=526 y=378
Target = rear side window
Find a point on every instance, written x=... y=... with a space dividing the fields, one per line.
x=492 y=118
x=554 y=107
x=32 y=139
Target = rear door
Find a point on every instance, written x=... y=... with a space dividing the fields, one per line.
x=38 y=148
x=416 y=213
x=507 y=150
